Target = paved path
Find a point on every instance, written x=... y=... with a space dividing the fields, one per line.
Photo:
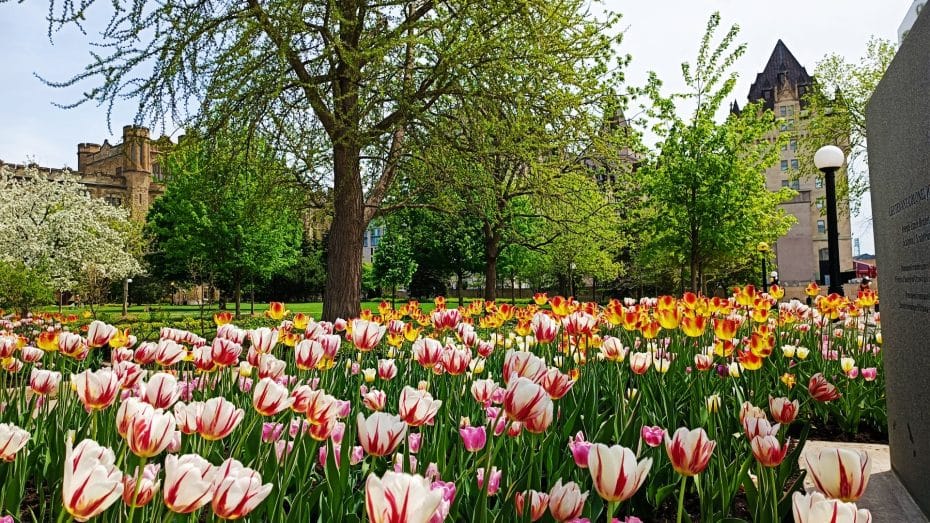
x=885 y=497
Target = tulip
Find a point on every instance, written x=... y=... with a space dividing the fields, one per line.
x=783 y=410
x=822 y=390
x=615 y=471
x=189 y=483
x=523 y=364
x=129 y=374
x=308 y=354
x=263 y=339
x=640 y=362
x=400 y=498
x=91 y=480
x=414 y=442
x=703 y=362
x=232 y=333
x=815 y=508
x=475 y=438
x=539 y=502
x=141 y=494
x=369 y=375
x=545 y=328
x=566 y=501
x=149 y=435
x=713 y=402
x=99 y=333
x=44 y=382
x=689 y=450
x=494 y=483
x=96 y=389
x=224 y=352
x=374 y=400
x=524 y=400
x=217 y=418
x=839 y=473
x=427 y=352
x=145 y=353
x=769 y=452
x=276 y=311
x=161 y=391
x=127 y=411
x=366 y=334
x=759 y=427
x=556 y=383
x=417 y=407
x=537 y=424
x=270 y=367
x=579 y=449
x=869 y=373
x=387 y=369
x=613 y=349
x=270 y=398
x=31 y=354
x=483 y=390
x=652 y=436
x=747 y=410
x=380 y=433
x=12 y=440
x=455 y=361
x=169 y=352
x=321 y=408
x=239 y=490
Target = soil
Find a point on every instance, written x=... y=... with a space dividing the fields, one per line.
x=830 y=432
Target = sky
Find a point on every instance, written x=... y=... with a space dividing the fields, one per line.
x=659 y=34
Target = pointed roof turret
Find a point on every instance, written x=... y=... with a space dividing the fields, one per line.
x=782 y=68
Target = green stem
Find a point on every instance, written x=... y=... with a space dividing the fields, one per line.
x=135 y=494
x=681 y=499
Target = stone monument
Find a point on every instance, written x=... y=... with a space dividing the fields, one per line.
x=898 y=121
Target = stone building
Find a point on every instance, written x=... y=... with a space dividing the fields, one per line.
x=126 y=174
x=801 y=255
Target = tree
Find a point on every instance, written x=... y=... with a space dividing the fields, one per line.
x=393 y=262
x=50 y=225
x=22 y=287
x=707 y=181
x=836 y=108
x=337 y=83
x=228 y=216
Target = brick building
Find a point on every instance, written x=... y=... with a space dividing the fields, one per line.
x=801 y=255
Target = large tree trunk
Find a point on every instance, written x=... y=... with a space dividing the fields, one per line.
x=342 y=296
x=492 y=248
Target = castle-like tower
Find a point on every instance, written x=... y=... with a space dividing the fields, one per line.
x=802 y=253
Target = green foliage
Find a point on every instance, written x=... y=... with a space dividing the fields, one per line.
x=228 y=215
x=836 y=116
x=393 y=262
x=707 y=183
x=23 y=288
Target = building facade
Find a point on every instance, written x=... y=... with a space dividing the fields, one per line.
x=802 y=254
x=912 y=13
x=126 y=174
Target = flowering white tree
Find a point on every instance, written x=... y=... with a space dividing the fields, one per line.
x=51 y=224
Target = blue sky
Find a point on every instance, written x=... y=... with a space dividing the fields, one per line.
x=659 y=34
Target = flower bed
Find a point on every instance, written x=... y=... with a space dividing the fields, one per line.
x=557 y=410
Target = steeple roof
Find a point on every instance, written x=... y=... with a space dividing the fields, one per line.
x=781 y=68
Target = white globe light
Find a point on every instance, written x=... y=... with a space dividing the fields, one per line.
x=829 y=157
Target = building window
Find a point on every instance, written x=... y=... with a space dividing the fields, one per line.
x=784 y=166
x=790 y=123
x=784 y=111
x=784 y=183
x=794 y=144
x=818 y=182
x=791 y=110
x=794 y=164
x=365 y=241
x=796 y=185
x=784 y=126
x=820 y=203
x=821 y=227
x=784 y=147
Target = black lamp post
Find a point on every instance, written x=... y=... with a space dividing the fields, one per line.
x=828 y=159
x=763 y=249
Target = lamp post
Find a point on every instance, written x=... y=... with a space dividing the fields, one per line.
x=763 y=249
x=126 y=282
x=828 y=159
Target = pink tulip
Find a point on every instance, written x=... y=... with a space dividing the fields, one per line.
x=494 y=483
x=380 y=433
x=189 y=483
x=148 y=486
x=414 y=442
x=580 y=449
x=149 y=435
x=652 y=436
x=269 y=398
x=400 y=498
x=566 y=501
x=783 y=410
x=525 y=400
x=161 y=391
x=839 y=473
x=12 y=440
x=815 y=508
x=283 y=448
x=447 y=488
x=366 y=335
x=869 y=373
x=91 y=480
x=539 y=503
x=475 y=438
x=427 y=352
x=218 y=418
x=239 y=490
x=769 y=452
x=272 y=432
x=417 y=407
x=615 y=471
x=689 y=450
x=44 y=382
x=96 y=389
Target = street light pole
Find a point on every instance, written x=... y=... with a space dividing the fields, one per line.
x=829 y=159
x=763 y=249
x=126 y=282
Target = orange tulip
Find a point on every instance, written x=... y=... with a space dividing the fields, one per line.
x=668 y=318
x=776 y=292
x=440 y=302
x=276 y=311
x=222 y=318
x=48 y=341
x=812 y=289
x=301 y=321
x=761 y=344
x=560 y=306
x=725 y=328
x=694 y=326
x=750 y=361
x=651 y=329
x=540 y=298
